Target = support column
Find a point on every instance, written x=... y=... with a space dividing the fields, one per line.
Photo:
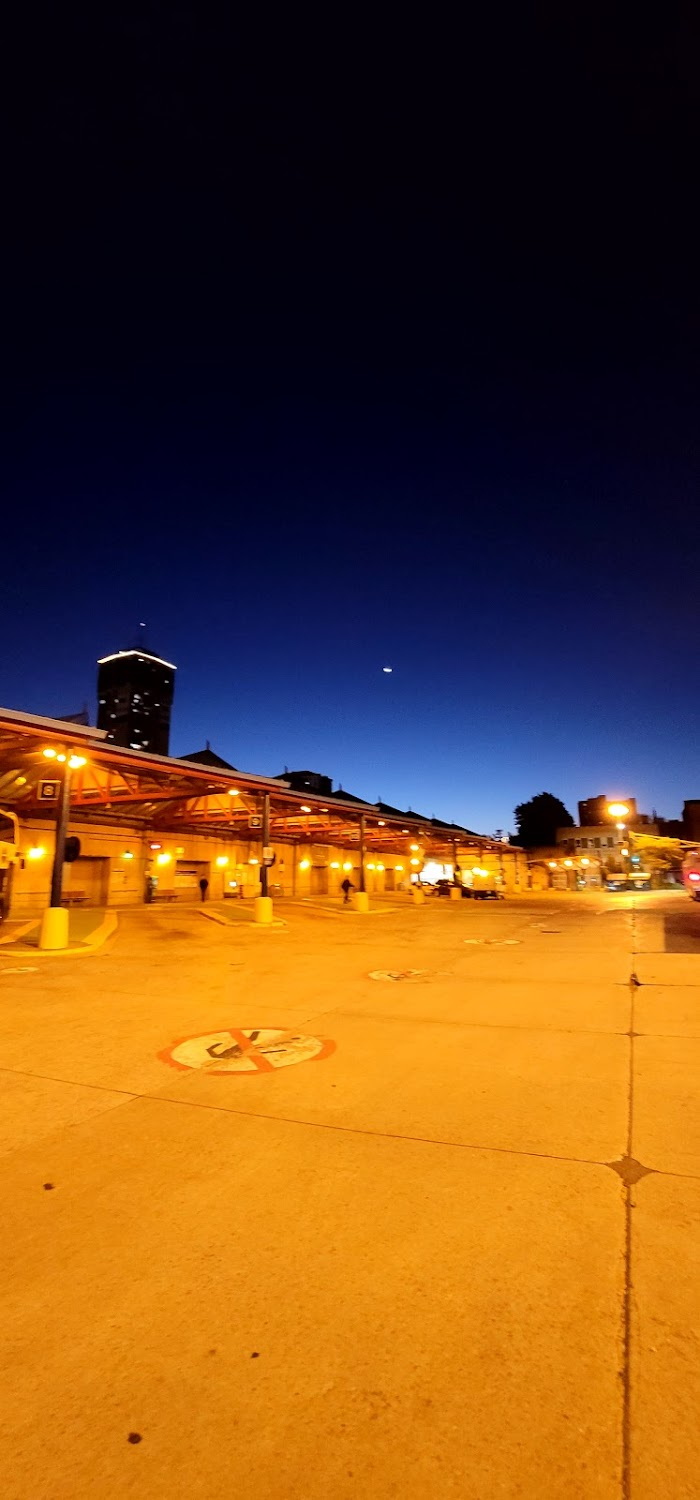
x=361 y=899
x=54 y=922
x=262 y=911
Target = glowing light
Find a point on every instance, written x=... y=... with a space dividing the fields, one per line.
x=76 y=761
x=335 y=864
x=222 y=861
x=370 y=867
x=233 y=791
x=624 y=851
x=50 y=754
x=304 y=808
x=568 y=863
x=381 y=823
x=380 y=867
x=476 y=870
x=414 y=847
x=399 y=868
x=404 y=830
x=36 y=853
x=552 y=864
x=387 y=669
x=127 y=854
x=619 y=826
x=21 y=781
x=347 y=865
x=694 y=875
x=415 y=861
x=61 y=758
x=618 y=809
x=304 y=864
x=585 y=861
x=163 y=859
x=253 y=861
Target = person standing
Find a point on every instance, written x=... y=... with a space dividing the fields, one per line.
x=346 y=888
x=204 y=887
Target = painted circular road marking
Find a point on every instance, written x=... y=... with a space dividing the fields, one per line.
x=395 y=974
x=256 y=1051
x=494 y=942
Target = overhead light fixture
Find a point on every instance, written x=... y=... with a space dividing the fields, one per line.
x=304 y=808
x=304 y=864
x=76 y=761
x=233 y=791
x=50 y=754
x=222 y=861
x=36 y=853
x=381 y=823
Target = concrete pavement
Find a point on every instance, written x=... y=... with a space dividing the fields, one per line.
x=457 y=1255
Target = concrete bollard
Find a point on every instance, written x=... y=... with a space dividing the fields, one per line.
x=418 y=897
x=262 y=910
x=53 y=933
x=455 y=893
x=360 y=901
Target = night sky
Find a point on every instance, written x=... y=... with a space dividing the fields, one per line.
x=329 y=347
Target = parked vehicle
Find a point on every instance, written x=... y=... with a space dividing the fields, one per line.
x=691 y=874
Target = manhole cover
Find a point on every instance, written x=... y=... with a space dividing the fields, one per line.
x=257 y=1051
x=394 y=974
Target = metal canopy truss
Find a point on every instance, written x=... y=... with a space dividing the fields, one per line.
x=163 y=795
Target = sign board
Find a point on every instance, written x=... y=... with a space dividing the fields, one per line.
x=255 y=820
x=268 y=855
x=49 y=791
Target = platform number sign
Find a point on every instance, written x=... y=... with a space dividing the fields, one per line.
x=255 y=820
x=49 y=791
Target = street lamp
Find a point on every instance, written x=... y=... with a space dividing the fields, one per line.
x=54 y=921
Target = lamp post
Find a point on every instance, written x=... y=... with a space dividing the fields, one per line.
x=54 y=921
x=619 y=811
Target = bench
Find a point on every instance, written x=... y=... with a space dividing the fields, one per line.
x=72 y=898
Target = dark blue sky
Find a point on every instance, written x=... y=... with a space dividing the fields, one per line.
x=332 y=351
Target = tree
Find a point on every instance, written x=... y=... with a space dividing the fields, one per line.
x=537 y=821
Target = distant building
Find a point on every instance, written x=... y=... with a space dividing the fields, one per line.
x=134 y=698
x=594 y=810
x=602 y=838
x=307 y=781
x=691 y=820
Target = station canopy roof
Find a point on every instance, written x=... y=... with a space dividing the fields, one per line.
x=165 y=795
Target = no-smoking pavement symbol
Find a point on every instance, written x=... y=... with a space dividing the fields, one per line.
x=236 y=1051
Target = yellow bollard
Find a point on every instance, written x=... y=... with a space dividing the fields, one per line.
x=455 y=893
x=262 y=910
x=418 y=897
x=53 y=933
x=360 y=900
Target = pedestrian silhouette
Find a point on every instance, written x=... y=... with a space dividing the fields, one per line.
x=347 y=886
x=204 y=886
